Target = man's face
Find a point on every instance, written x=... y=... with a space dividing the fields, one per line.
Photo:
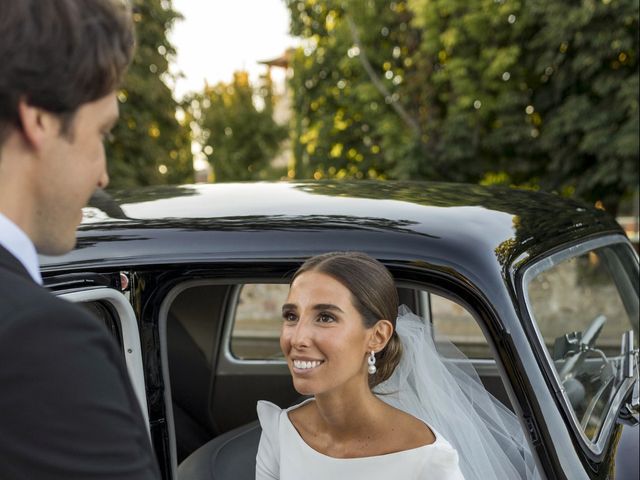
x=72 y=168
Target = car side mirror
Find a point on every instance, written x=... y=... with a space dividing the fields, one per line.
x=567 y=345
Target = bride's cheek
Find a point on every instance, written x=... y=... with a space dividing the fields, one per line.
x=285 y=341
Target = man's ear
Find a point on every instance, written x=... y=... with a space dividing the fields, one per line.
x=380 y=334
x=37 y=124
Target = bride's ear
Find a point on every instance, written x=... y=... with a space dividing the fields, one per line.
x=380 y=334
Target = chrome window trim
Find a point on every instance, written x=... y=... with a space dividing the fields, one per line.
x=531 y=272
x=424 y=299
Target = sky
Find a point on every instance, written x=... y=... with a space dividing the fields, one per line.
x=218 y=37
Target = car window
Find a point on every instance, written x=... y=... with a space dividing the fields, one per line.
x=582 y=302
x=453 y=322
x=257 y=321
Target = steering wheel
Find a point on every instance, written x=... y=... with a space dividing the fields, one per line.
x=589 y=338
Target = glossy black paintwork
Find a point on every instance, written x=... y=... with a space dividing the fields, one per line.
x=472 y=239
x=173 y=223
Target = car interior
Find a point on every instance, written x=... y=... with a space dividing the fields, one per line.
x=218 y=371
x=214 y=389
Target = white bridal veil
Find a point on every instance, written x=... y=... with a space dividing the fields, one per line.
x=447 y=394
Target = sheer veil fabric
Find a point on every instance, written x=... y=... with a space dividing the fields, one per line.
x=447 y=394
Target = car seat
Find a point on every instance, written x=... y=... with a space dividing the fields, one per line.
x=230 y=456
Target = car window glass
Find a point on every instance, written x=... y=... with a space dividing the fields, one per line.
x=453 y=322
x=257 y=322
x=582 y=305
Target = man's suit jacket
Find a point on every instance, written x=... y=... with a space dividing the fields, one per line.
x=67 y=408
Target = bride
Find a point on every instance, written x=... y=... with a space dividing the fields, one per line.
x=383 y=404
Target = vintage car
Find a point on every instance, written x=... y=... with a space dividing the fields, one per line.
x=540 y=292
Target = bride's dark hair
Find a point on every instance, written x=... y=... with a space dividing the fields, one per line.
x=374 y=296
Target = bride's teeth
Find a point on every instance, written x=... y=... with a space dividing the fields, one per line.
x=305 y=365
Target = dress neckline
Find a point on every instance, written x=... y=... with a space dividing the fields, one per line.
x=409 y=452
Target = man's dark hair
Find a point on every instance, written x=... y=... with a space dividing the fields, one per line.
x=60 y=54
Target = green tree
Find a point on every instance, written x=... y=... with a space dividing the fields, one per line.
x=477 y=122
x=240 y=139
x=351 y=117
x=541 y=94
x=548 y=98
x=150 y=145
x=584 y=59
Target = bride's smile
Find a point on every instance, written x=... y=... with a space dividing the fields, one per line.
x=306 y=364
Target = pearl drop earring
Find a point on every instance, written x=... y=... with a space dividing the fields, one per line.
x=372 y=363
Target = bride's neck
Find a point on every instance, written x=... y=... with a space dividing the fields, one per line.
x=347 y=411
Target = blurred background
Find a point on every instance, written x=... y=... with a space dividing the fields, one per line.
x=537 y=94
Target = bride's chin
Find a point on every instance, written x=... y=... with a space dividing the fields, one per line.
x=303 y=388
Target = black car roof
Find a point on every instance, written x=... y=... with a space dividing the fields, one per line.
x=240 y=220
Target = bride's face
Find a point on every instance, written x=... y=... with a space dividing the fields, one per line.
x=323 y=337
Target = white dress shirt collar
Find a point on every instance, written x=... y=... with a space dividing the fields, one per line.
x=20 y=246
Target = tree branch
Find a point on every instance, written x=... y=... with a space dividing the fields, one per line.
x=411 y=122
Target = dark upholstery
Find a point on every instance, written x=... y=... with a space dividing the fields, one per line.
x=230 y=456
x=190 y=377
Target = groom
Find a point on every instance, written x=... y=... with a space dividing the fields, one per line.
x=67 y=408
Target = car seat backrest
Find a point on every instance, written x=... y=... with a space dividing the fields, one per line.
x=230 y=456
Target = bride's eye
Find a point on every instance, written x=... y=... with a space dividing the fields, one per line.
x=289 y=316
x=326 y=318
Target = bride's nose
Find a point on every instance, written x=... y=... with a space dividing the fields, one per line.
x=301 y=334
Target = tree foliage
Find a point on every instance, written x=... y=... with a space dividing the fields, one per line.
x=346 y=123
x=150 y=146
x=239 y=139
x=538 y=93
x=556 y=89
x=477 y=122
x=584 y=57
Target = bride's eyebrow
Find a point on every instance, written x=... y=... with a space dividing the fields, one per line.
x=288 y=306
x=327 y=306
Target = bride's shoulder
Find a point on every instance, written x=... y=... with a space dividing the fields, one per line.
x=413 y=432
x=269 y=413
x=266 y=408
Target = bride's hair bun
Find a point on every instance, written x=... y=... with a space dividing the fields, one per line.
x=374 y=296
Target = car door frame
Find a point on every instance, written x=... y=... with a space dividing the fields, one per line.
x=129 y=333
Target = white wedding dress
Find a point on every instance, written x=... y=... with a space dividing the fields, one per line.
x=436 y=385
x=284 y=455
